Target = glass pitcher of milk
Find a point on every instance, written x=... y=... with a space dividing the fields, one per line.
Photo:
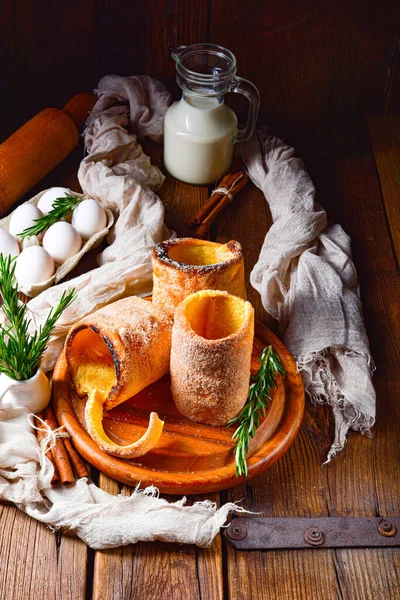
x=200 y=130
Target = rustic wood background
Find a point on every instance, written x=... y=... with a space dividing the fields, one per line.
x=314 y=62
x=310 y=59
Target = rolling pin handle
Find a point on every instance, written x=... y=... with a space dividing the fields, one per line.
x=79 y=107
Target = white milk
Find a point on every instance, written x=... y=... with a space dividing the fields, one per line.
x=199 y=134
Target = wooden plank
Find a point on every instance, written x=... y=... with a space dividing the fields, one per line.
x=369 y=573
x=210 y=563
x=392 y=92
x=384 y=133
x=10 y=76
x=37 y=563
x=181 y=201
x=120 y=37
x=138 y=37
x=169 y=24
x=156 y=570
x=55 y=53
x=270 y=575
x=285 y=575
x=310 y=60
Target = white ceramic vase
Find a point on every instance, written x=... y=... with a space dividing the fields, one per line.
x=33 y=393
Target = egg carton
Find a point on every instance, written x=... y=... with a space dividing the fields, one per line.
x=70 y=263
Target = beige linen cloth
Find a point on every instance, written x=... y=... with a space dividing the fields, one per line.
x=304 y=274
x=308 y=282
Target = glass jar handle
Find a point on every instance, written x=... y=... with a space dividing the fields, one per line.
x=248 y=89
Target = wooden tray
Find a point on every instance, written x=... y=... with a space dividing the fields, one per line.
x=189 y=458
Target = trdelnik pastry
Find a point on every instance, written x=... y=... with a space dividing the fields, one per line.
x=182 y=266
x=212 y=340
x=112 y=355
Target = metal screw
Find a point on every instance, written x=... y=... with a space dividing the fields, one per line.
x=236 y=531
x=387 y=528
x=314 y=536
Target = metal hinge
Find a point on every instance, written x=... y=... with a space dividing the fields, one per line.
x=321 y=532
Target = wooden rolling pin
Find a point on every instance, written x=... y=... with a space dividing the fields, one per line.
x=39 y=146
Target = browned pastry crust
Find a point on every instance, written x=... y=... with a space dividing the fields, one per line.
x=182 y=266
x=212 y=340
x=131 y=335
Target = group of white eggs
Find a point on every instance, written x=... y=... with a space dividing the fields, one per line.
x=61 y=241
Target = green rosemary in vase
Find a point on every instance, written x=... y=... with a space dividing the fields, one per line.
x=258 y=402
x=21 y=351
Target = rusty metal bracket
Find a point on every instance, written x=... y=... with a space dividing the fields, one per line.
x=321 y=532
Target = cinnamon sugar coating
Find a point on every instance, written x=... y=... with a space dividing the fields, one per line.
x=210 y=374
x=182 y=266
x=137 y=338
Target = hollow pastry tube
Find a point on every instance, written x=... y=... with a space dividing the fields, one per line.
x=212 y=340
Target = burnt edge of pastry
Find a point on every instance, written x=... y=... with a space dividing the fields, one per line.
x=114 y=357
x=109 y=345
x=160 y=252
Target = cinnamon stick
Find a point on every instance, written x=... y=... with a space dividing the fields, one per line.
x=76 y=461
x=227 y=182
x=40 y=436
x=59 y=452
x=223 y=200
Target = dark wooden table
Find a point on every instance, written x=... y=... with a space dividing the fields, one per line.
x=356 y=172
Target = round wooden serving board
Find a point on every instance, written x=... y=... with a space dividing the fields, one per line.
x=190 y=458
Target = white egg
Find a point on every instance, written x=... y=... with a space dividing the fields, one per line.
x=23 y=217
x=62 y=241
x=46 y=201
x=8 y=244
x=34 y=265
x=88 y=218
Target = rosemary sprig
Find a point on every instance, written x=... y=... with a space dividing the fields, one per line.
x=61 y=209
x=20 y=351
x=258 y=402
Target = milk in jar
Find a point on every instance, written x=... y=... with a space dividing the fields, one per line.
x=199 y=136
x=200 y=130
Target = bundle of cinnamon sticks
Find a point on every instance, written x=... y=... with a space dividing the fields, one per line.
x=229 y=186
x=62 y=454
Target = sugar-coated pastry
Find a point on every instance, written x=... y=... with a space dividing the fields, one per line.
x=182 y=266
x=212 y=340
x=112 y=355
